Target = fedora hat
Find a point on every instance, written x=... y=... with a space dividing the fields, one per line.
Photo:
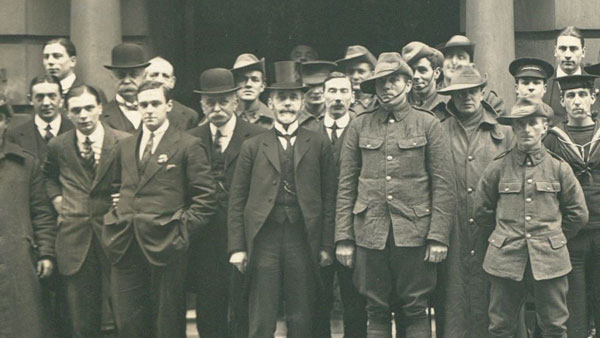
x=246 y=62
x=287 y=76
x=357 y=53
x=315 y=72
x=216 y=81
x=387 y=64
x=128 y=55
x=525 y=107
x=416 y=50
x=465 y=77
x=531 y=67
x=460 y=42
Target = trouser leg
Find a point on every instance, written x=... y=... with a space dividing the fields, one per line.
x=322 y=320
x=551 y=305
x=577 y=299
x=506 y=299
x=355 y=314
x=168 y=295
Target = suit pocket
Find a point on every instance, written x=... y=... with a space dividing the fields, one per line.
x=509 y=187
x=557 y=241
x=497 y=240
x=359 y=207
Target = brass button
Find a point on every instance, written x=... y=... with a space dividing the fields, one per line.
x=529 y=180
x=470 y=158
x=390 y=197
x=414 y=143
x=528 y=200
x=392 y=120
x=471 y=221
x=506 y=189
x=368 y=146
x=528 y=218
x=427 y=210
x=472 y=252
x=389 y=158
x=388 y=178
x=469 y=190
x=528 y=235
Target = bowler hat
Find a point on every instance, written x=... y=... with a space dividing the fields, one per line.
x=531 y=67
x=525 y=107
x=576 y=81
x=216 y=81
x=127 y=56
x=465 y=77
x=416 y=50
x=315 y=72
x=246 y=62
x=287 y=76
x=459 y=42
x=387 y=64
x=357 y=53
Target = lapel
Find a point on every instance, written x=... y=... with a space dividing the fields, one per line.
x=72 y=157
x=30 y=138
x=167 y=146
x=301 y=146
x=233 y=148
x=115 y=118
x=65 y=125
x=129 y=159
x=270 y=148
x=108 y=144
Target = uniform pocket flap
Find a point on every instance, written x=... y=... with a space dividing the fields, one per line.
x=547 y=186
x=413 y=142
x=370 y=143
x=557 y=241
x=509 y=187
x=497 y=240
x=359 y=207
x=422 y=210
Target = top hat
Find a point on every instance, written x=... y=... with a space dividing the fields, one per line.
x=416 y=50
x=525 y=107
x=287 y=76
x=576 y=81
x=128 y=55
x=357 y=53
x=246 y=62
x=461 y=42
x=531 y=67
x=216 y=81
x=465 y=77
x=387 y=64
x=316 y=72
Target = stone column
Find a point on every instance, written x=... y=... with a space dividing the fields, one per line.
x=490 y=24
x=95 y=30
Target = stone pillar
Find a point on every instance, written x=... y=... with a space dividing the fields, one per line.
x=490 y=24
x=95 y=30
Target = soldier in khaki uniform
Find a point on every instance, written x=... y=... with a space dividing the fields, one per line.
x=358 y=64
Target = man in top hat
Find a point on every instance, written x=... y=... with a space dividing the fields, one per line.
x=314 y=74
x=459 y=50
x=395 y=202
x=281 y=212
x=209 y=265
x=161 y=70
x=303 y=53
x=79 y=171
x=533 y=203
x=128 y=66
x=426 y=63
x=250 y=77
x=576 y=141
x=165 y=195
x=338 y=98
x=476 y=138
x=358 y=64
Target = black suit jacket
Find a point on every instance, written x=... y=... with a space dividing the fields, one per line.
x=28 y=137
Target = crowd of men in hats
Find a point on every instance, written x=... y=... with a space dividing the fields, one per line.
x=402 y=179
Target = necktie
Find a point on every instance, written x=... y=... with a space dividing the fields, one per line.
x=147 y=152
x=48 y=134
x=287 y=137
x=334 y=136
x=217 y=141
x=88 y=153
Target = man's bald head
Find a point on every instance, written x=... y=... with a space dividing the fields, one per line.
x=161 y=70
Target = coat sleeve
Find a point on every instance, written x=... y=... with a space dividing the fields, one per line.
x=328 y=187
x=42 y=217
x=350 y=165
x=441 y=173
x=486 y=198
x=572 y=202
x=201 y=188
x=238 y=196
x=51 y=171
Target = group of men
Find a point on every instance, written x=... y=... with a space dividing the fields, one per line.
x=402 y=177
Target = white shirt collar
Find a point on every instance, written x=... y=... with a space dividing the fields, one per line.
x=159 y=132
x=158 y=135
x=41 y=125
x=67 y=82
x=560 y=73
x=291 y=128
x=342 y=122
x=97 y=136
x=226 y=129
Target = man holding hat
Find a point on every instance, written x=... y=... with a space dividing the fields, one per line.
x=395 y=202
x=223 y=135
x=314 y=74
x=250 y=77
x=166 y=194
x=531 y=76
x=128 y=65
x=533 y=203
x=576 y=141
x=281 y=212
x=426 y=63
x=358 y=64
x=459 y=50
x=476 y=138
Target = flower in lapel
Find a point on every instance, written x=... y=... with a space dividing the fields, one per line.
x=162 y=158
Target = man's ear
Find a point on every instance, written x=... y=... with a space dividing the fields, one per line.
x=263 y=85
x=517 y=88
x=270 y=103
x=174 y=80
x=583 y=52
x=555 y=54
x=74 y=60
x=169 y=105
x=545 y=88
x=437 y=72
x=562 y=101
